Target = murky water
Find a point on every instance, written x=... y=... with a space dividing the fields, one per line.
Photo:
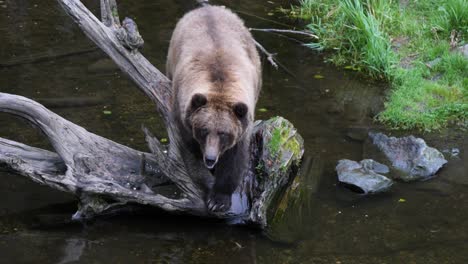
x=321 y=222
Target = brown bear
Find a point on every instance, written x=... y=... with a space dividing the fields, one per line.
x=216 y=79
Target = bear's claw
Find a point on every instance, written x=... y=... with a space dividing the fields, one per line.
x=219 y=202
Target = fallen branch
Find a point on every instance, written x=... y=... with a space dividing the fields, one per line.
x=270 y=57
x=106 y=175
x=274 y=30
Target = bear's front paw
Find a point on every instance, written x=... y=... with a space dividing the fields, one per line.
x=219 y=202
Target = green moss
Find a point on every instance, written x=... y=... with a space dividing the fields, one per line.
x=260 y=169
x=279 y=135
x=282 y=141
x=115 y=13
x=275 y=141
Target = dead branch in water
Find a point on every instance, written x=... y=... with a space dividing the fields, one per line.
x=289 y=31
x=270 y=57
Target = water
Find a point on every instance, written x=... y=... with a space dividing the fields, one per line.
x=321 y=222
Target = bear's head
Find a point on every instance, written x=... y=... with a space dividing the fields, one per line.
x=217 y=124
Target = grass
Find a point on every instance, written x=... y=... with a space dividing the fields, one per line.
x=453 y=16
x=409 y=46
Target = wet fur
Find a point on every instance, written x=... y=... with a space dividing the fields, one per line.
x=212 y=53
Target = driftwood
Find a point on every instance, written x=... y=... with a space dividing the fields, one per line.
x=106 y=175
x=289 y=31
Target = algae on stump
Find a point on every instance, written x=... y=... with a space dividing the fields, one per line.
x=280 y=157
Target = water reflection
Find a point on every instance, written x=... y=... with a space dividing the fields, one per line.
x=72 y=250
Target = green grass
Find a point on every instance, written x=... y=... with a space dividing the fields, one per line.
x=453 y=15
x=386 y=41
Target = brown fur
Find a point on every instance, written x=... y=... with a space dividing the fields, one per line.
x=216 y=78
x=211 y=51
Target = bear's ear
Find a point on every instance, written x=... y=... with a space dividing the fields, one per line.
x=198 y=100
x=240 y=109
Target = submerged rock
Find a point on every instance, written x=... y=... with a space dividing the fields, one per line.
x=454 y=152
x=357 y=133
x=364 y=175
x=410 y=155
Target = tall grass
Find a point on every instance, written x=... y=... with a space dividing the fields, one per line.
x=367 y=40
x=310 y=8
x=453 y=15
x=359 y=34
x=353 y=29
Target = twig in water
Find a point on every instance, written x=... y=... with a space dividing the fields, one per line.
x=270 y=56
x=271 y=59
x=275 y=30
x=44 y=57
x=290 y=38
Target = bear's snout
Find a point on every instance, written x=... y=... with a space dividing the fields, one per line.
x=212 y=151
x=210 y=162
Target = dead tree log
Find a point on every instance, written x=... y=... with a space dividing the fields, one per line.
x=106 y=175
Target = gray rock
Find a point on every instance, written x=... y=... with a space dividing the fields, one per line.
x=369 y=164
x=455 y=152
x=451 y=153
x=431 y=64
x=364 y=175
x=464 y=50
x=436 y=77
x=409 y=155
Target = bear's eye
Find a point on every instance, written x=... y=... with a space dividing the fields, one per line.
x=223 y=135
x=203 y=132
